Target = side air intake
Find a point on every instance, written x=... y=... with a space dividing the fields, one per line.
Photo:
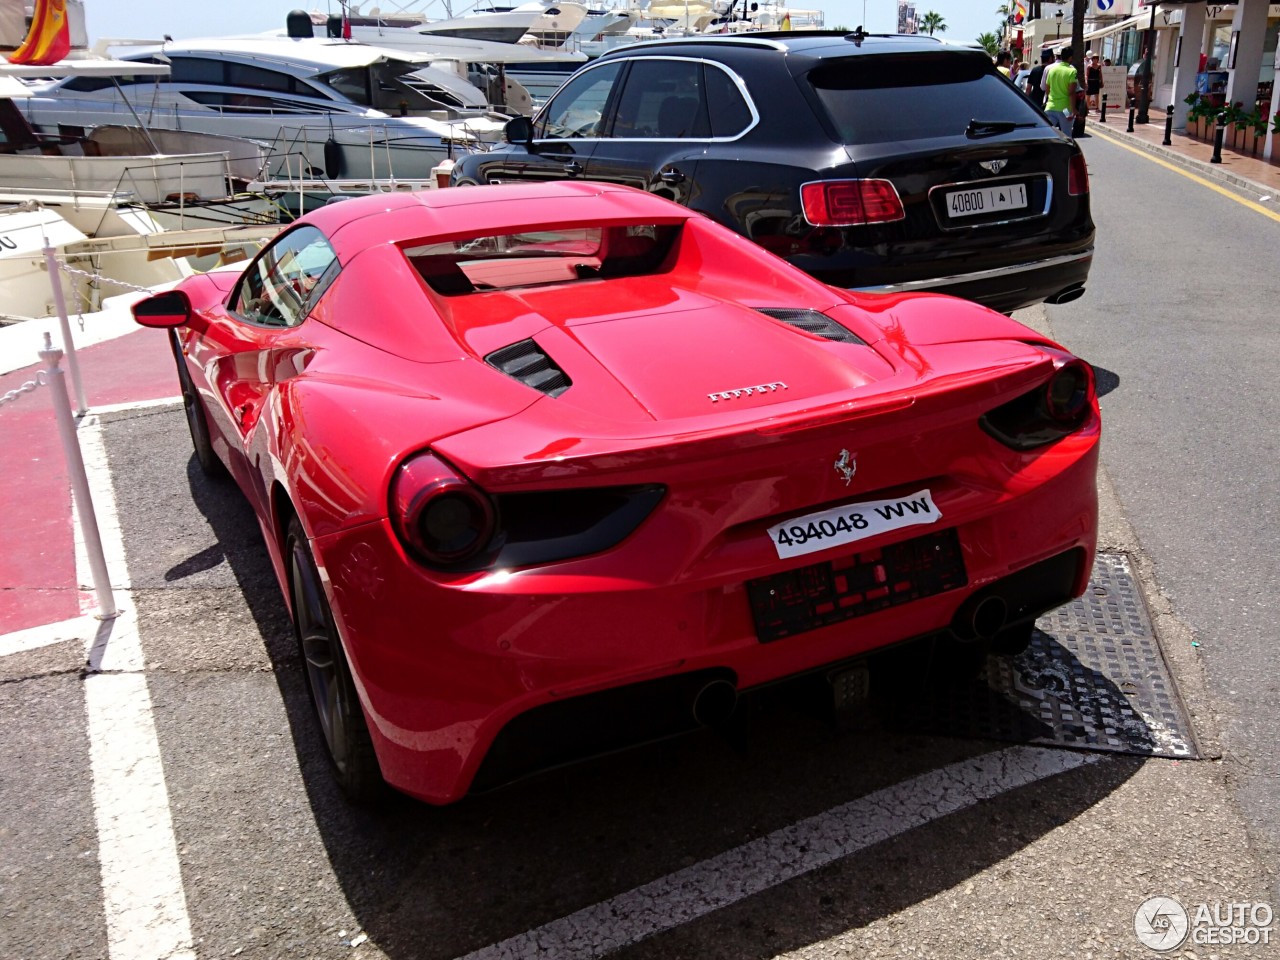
x=811 y=321
x=525 y=361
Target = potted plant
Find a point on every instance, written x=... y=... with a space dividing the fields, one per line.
x=1201 y=116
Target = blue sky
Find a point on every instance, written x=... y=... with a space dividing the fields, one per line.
x=149 y=19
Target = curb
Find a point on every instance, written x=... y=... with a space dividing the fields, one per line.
x=1212 y=171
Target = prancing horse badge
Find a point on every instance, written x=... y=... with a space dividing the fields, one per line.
x=846 y=466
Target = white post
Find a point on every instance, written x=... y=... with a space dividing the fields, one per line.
x=79 y=481
x=60 y=302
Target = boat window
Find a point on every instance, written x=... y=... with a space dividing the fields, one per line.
x=256 y=78
x=578 y=109
x=89 y=84
x=287 y=279
x=248 y=103
x=352 y=83
x=195 y=70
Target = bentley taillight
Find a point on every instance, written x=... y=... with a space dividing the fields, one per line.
x=442 y=517
x=848 y=203
x=1077 y=176
x=1048 y=413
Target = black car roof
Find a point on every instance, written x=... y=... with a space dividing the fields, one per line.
x=814 y=44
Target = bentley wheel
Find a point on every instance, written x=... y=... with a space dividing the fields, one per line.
x=333 y=692
x=193 y=407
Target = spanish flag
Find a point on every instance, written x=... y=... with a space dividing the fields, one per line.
x=49 y=39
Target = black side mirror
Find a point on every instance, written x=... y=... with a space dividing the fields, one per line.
x=519 y=130
x=169 y=309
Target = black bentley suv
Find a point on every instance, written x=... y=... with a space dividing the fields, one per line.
x=878 y=163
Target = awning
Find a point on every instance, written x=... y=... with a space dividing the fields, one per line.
x=1142 y=21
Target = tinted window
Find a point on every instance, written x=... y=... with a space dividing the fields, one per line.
x=89 y=84
x=243 y=75
x=578 y=109
x=882 y=99
x=280 y=287
x=729 y=112
x=663 y=99
x=195 y=70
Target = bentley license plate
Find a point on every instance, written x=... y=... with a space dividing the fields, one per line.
x=854 y=521
x=969 y=203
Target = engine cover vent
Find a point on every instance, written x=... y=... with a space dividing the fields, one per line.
x=811 y=321
x=525 y=361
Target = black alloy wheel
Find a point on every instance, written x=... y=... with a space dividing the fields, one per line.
x=333 y=692
x=193 y=407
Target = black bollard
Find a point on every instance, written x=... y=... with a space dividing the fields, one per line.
x=1103 y=118
x=1129 y=129
x=1168 y=127
x=1217 y=140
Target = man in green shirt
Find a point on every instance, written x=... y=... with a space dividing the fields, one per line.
x=1063 y=82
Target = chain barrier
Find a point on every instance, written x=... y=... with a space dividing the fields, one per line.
x=66 y=268
x=29 y=387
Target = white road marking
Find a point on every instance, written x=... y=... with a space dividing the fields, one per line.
x=135 y=405
x=143 y=897
x=48 y=634
x=783 y=855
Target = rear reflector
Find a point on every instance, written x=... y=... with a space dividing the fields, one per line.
x=1077 y=176
x=847 y=203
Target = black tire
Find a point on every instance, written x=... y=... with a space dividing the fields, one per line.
x=193 y=408
x=333 y=692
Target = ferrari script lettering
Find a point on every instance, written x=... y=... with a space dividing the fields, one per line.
x=855 y=521
x=746 y=391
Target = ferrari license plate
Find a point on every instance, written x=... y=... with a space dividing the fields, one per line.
x=850 y=523
x=969 y=203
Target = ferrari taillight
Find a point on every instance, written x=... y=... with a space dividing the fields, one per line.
x=1077 y=176
x=1048 y=413
x=848 y=203
x=442 y=517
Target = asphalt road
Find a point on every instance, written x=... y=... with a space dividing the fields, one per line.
x=802 y=841
x=1182 y=305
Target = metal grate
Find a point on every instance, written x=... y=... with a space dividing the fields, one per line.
x=525 y=361
x=1093 y=678
x=812 y=321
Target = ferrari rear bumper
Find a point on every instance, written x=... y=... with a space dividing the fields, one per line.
x=472 y=679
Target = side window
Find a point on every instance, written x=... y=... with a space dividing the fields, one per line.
x=663 y=99
x=280 y=287
x=730 y=114
x=578 y=109
x=195 y=70
x=256 y=78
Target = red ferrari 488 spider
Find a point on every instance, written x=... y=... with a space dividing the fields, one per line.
x=545 y=470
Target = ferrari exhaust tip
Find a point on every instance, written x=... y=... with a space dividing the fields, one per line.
x=713 y=705
x=988 y=617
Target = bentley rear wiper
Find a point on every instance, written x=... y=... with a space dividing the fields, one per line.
x=989 y=128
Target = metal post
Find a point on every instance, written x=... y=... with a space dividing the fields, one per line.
x=79 y=480
x=1217 y=139
x=1103 y=118
x=60 y=302
x=1129 y=129
x=1168 y=127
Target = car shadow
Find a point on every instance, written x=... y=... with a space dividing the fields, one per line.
x=428 y=882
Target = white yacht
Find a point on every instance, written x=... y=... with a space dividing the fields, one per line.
x=328 y=107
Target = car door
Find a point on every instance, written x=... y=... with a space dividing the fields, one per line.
x=661 y=126
x=565 y=132
x=244 y=351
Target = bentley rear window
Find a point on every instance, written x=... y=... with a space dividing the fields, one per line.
x=540 y=257
x=880 y=99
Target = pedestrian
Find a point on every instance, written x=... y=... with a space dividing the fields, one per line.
x=1093 y=82
x=1003 y=59
x=1062 y=80
x=1020 y=76
x=1035 y=88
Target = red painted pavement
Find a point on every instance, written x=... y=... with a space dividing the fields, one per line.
x=37 y=559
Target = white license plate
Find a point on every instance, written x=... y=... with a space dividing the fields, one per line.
x=970 y=203
x=850 y=523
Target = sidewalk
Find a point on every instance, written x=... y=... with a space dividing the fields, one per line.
x=1247 y=173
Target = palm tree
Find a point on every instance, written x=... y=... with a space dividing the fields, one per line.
x=989 y=42
x=932 y=22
